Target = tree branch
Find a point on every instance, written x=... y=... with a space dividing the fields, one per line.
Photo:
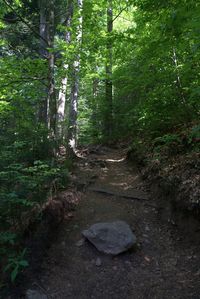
x=25 y=22
x=121 y=11
x=22 y=80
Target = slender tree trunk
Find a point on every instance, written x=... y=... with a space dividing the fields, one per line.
x=51 y=98
x=44 y=55
x=108 y=83
x=73 y=110
x=94 y=117
x=62 y=93
x=178 y=79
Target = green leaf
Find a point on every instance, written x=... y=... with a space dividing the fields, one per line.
x=14 y=273
x=23 y=263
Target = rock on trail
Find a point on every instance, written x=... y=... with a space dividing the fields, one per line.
x=111 y=238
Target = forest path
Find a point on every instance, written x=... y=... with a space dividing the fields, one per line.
x=165 y=265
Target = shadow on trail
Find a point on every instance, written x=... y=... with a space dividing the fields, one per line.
x=165 y=264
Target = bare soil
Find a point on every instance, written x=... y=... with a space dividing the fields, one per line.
x=165 y=264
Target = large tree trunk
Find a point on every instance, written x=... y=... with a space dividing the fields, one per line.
x=73 y=110
x=61 y=122
x=47 y=113
x=108 y=83
x=43 y=28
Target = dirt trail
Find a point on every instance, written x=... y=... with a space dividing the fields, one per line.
x=165 y=265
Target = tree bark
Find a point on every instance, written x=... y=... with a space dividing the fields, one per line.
x=73 y=110
x=94 y=116
x=51 y=97
x=44 y=55
x=62 y=93
x=108 y=82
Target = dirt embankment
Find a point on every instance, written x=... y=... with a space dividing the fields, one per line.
x=174 y=178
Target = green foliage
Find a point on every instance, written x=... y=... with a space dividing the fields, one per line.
x=155 y=83
x=155 y=60
x=16 y=264
x=168 y=144
x=155 y=77
x=167 y=139
x=29 y=172
x=26 y=179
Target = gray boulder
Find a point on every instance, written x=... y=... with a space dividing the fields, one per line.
x=111 y=238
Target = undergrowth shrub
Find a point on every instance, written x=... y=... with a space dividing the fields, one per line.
x=28 y=176
x=183 y=140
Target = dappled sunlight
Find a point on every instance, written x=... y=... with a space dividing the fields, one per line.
x=125 y=185
x=116 y=160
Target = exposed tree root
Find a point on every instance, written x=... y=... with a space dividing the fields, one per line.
x=118 y=193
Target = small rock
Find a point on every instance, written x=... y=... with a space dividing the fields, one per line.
x=147 y=228
x=147 y=259
x=98 y=262
x=33 y=294
x=80 y=243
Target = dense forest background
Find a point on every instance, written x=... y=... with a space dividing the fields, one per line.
x=81 y=72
